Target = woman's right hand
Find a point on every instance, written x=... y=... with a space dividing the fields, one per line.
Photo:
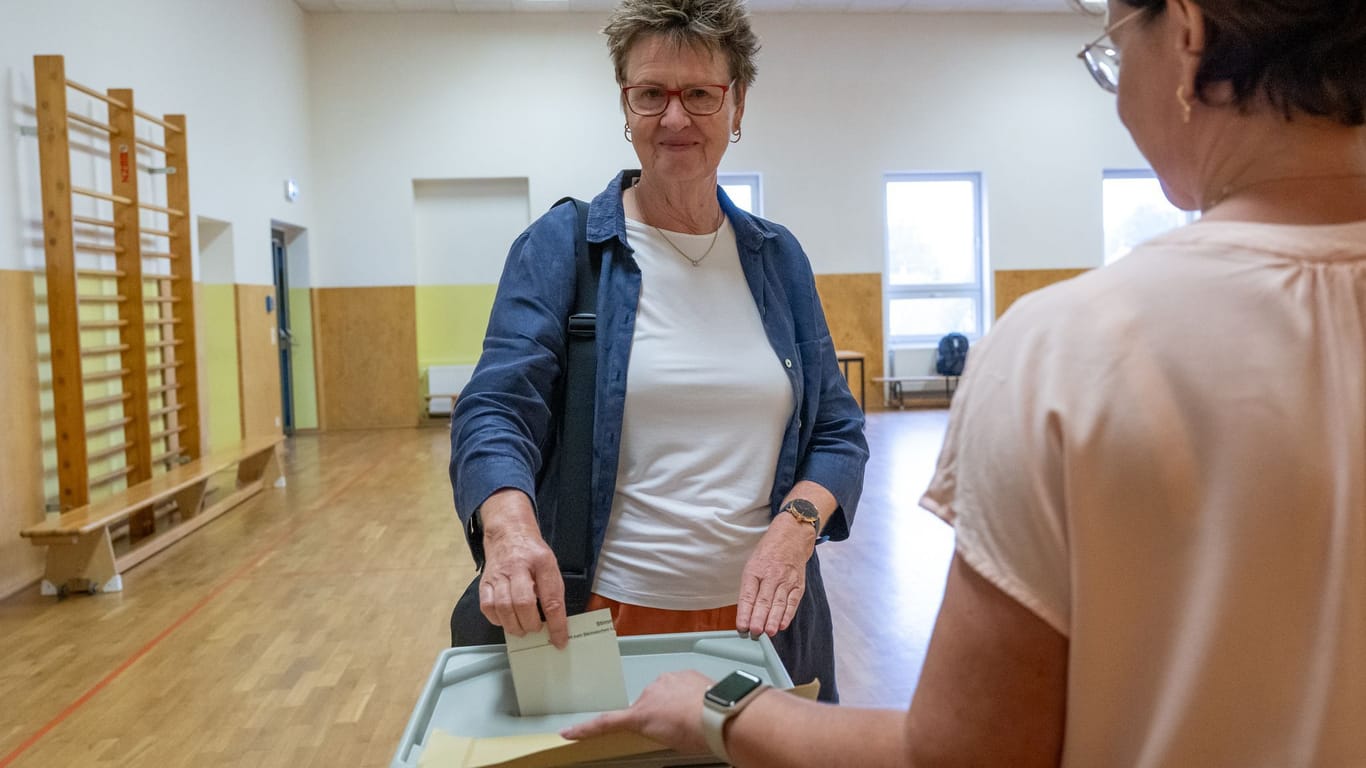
x=519 y=570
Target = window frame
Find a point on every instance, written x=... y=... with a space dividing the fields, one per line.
x=975 y=290
x=753 y=180
x=1121 y=174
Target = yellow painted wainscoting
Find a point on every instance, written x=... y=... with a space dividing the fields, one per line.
x=1011 y=284
x=366 y=343
x=258 y=361
x=21 y=460
x=301 y=358
x=451 y=322
x=95 y=416
x=221 y=400
x=853 y=309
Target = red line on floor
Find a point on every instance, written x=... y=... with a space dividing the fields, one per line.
x=131 y=660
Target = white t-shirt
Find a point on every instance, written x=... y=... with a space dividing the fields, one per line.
x=1165 y=459
x=707 y=402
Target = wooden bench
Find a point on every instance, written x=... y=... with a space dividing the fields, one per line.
x=897 y=383
x=80 y=550
x=844 y=357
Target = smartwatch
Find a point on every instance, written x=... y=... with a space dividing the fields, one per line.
x=722 y=702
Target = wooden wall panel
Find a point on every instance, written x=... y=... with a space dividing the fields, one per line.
x=366 y=342
x=853 y=309
x=21 y=457
x=1011 y=284
x=258 y=361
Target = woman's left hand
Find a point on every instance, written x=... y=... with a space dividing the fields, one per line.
x=774 y=579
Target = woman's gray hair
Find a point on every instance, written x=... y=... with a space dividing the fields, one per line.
x=716 y=25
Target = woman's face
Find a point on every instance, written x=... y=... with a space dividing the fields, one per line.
x=1151 y=70
x=677 y=146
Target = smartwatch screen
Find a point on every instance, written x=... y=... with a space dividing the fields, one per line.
x=733 y=688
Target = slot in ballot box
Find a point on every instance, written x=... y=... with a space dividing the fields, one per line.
x=469 y=698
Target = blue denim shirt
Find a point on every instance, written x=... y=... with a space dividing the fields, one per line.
x=502 y=431
x=503 y=417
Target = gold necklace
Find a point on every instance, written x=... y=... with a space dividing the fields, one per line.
x=697 y=262
x=1229 y=190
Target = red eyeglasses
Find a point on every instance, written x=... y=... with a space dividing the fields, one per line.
x=697 y=100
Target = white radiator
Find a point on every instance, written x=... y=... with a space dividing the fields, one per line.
x=444 y=382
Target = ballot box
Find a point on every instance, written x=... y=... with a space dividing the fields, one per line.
x=469 y=697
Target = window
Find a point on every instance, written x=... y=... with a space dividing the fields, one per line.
x=743 y=189
x=1135 y=210
x=934 y=256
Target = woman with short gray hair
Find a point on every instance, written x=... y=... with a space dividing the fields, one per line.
x=726 y=441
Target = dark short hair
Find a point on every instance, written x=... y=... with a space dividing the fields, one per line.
x=717 y=25
x=1302 y=56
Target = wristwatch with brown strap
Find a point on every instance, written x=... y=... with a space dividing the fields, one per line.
x=805 y=512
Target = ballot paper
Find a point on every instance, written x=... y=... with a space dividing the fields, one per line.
x=586 y=676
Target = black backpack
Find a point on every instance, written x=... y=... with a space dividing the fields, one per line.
x=953 y=353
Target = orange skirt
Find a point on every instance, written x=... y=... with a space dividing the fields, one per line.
x=639 y=620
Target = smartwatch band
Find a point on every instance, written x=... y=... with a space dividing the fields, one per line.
x=714 y=729
x=714 y=720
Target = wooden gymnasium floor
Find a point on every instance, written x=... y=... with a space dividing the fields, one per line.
x=298 y=630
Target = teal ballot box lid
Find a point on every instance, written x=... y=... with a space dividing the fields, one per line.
x=470 y=693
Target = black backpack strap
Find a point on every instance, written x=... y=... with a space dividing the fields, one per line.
x=572 y=529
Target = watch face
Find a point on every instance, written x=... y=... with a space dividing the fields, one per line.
x=804 y=509
x=734 y=687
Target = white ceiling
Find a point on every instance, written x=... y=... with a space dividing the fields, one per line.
x=595 y=6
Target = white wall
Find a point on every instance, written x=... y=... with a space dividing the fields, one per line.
x=427 y=96
x=237 y=70
x=395 y=97
x=216 y=258
x=462 y=228
x=840 y=100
